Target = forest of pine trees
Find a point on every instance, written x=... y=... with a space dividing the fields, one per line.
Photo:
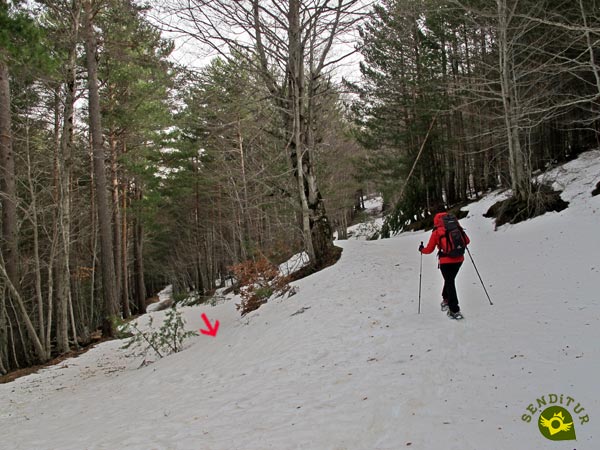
x=459 y=97
x=122 y=171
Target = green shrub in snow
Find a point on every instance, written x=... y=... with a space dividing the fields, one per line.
x=169 y=338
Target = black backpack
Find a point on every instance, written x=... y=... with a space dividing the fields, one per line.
x=454 y=242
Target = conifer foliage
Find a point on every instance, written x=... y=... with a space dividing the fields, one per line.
x=460 y=97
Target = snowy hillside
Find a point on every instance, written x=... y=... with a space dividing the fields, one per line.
x=347 y=363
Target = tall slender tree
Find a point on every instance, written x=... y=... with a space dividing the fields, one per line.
x=109 y=286
x=7 y=187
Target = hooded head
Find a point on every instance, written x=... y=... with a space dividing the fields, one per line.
x=438 y=219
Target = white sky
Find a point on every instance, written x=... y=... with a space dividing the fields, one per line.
x=189 y=53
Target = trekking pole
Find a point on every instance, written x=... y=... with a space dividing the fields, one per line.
x=420 y=277
x=483 y=285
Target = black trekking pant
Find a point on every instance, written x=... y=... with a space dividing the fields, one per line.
x=449 y=272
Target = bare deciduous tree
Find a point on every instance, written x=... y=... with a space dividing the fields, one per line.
x=290 y=44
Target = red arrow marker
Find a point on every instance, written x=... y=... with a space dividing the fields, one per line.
x=212 y=330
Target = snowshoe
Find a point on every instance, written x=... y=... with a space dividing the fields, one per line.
x=456 y=316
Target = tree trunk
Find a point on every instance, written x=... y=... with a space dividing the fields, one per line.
x=516 y=161
x=316 y=229
x=64 y=169
x=40 y=353
x=138 y=258
x=247 y=240
x=124 y=236
x=3 y=337
x=7 y=200
x=62 y=287
x=198 y=232
x=116 y=209
x=109 y=284
x=591 y=48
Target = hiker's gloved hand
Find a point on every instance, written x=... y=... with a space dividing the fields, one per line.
x=421 y=247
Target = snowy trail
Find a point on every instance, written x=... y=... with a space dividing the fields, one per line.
x=359 y=368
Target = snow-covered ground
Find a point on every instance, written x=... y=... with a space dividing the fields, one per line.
x=372 y=225
x=347 y=363
x=296 y=262
x=165 y=300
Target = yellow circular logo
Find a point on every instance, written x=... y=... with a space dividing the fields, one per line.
x=556 y=424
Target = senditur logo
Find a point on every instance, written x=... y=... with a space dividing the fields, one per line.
x=555 y=421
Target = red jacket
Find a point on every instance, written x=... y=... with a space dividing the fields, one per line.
x=436 y=236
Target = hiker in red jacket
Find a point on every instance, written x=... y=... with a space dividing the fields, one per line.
x=449 y=265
